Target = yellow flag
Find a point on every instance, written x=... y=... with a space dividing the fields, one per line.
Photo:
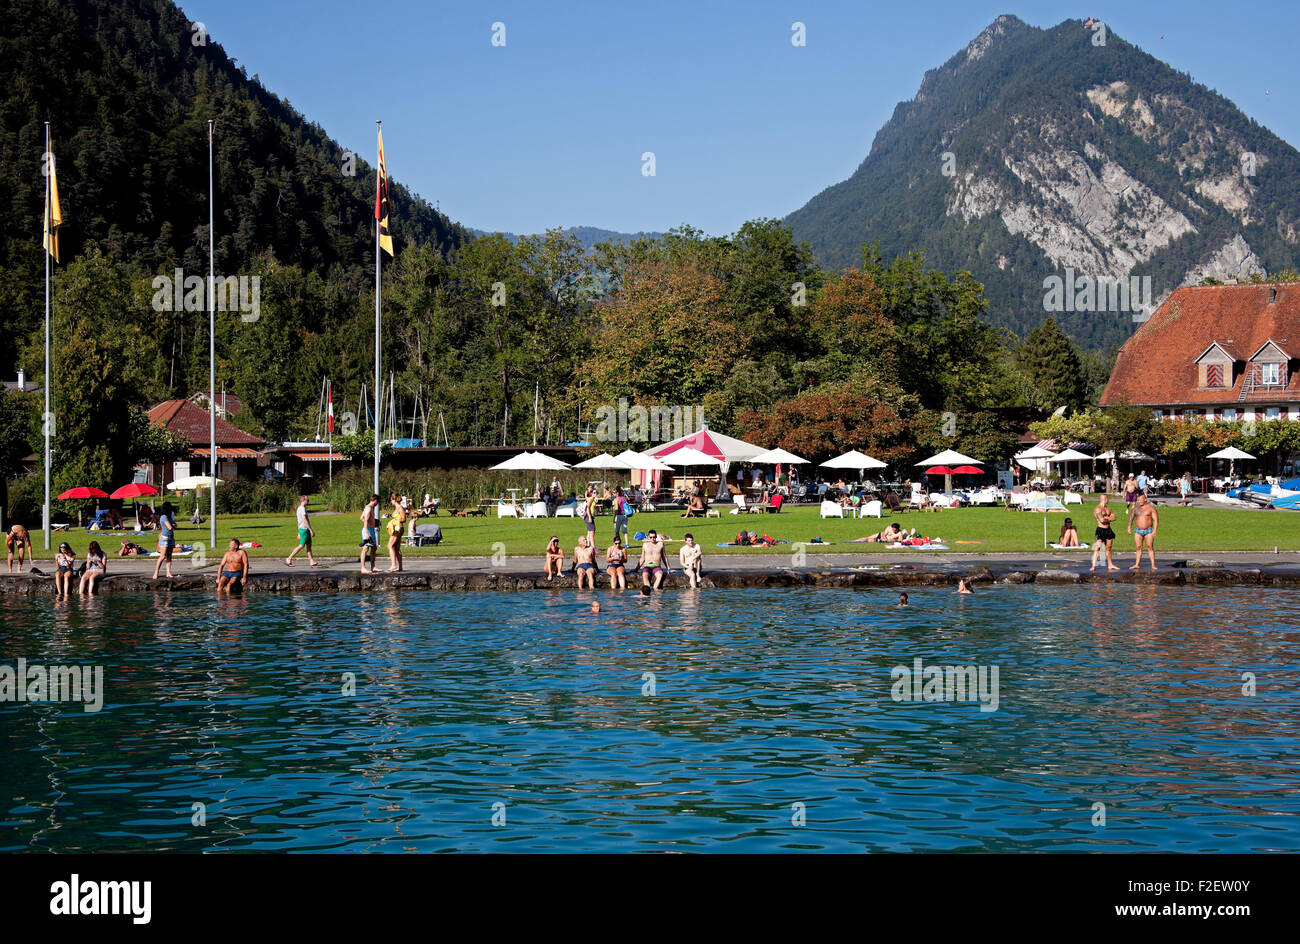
x=381 y=201
x=53 y=215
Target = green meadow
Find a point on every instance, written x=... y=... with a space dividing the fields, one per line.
x=997 y=529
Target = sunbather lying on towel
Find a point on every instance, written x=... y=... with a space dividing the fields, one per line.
x=889 y=535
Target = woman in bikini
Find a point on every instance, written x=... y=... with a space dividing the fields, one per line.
x=616 y=565
x=395 y=527
x=96 y=568
x=65 y=561
x=554 y=565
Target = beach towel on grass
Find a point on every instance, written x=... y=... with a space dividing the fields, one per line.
x=1071 y=547
x=734 y=544
x=918 y=547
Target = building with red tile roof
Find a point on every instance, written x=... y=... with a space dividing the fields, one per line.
x=1215 y=352
x=238 y=453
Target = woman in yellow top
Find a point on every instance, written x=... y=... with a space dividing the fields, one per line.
x=396 y=524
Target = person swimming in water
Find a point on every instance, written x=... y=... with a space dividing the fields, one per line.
x=963 y=585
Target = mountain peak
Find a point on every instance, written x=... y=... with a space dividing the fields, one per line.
x=998 y=28
x=1032 y=152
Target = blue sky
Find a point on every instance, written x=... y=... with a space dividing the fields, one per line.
x=549 y=129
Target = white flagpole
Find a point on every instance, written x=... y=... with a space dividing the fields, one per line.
x=212 y=353
x=377 y=354
x=49 y=380
x=329 y=428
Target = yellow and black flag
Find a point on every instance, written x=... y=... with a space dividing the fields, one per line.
x=381 y=201
x=53 y=214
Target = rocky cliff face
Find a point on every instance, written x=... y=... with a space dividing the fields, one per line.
x=1035 y=151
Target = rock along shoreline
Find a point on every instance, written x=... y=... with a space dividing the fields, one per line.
x=344 y=582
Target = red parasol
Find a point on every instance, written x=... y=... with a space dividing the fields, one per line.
x=134 y=490
x=939 y=470
x=82 y=492
x=967 y=470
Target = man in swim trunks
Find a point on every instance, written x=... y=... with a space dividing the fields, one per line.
x=18 y=541
x=652 y=560
x=1142 y=524
x=1104 y=535
x=305 y=534
x=584 y=563
x=692 y=559
x=234 y=568
x=369 y=534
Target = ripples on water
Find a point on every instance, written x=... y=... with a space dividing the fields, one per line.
x=1124 y=695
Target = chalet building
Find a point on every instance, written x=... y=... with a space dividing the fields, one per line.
x=239 y=454
x=1219 y=352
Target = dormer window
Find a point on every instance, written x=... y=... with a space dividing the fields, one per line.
x=1214 y=375
x=1270 y=375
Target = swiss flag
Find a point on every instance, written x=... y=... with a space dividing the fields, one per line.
x=329 y=394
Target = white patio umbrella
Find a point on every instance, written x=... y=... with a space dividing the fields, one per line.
x=688 y=455
x=531 y=462
x=190 y=483
x=854 y=460
x=1034 y=458
x=604 y=462
x=1071 y=455
x=1231 y=453
x=779 y=455
x=949 y=457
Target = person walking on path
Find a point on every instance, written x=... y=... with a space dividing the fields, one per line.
x=620 y=514
x=305 y=535
x=589 y=518
x=1143 y=521
x=369 y=534
x=166 y=539
x=1104 y=536
x=1185 y=489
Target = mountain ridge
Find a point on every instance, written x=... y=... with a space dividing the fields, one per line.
x=1031 y=150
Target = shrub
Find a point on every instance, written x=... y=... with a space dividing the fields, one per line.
x=456 y=487
x=241 y=497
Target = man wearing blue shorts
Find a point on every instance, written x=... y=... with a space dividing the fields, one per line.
x=234 y=568
x=1143 y=521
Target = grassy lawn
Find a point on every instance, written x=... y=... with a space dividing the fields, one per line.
x=337 y=535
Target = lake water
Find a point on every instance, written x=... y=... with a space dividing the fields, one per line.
x=722 y=720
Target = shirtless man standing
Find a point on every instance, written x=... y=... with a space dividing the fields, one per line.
x=234 y=568
x=19 y=542
x=652 y=560
x=369 y=534
x=1104 y=515
x=584 y=563
x=692 y=560
x=1142 y=523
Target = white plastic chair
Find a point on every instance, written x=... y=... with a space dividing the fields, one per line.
x=507 y=511
x=832 y=509
x=1072 y=498
x=741 y=507
x=871 y=509
x=535 y=510
x=569 y=510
